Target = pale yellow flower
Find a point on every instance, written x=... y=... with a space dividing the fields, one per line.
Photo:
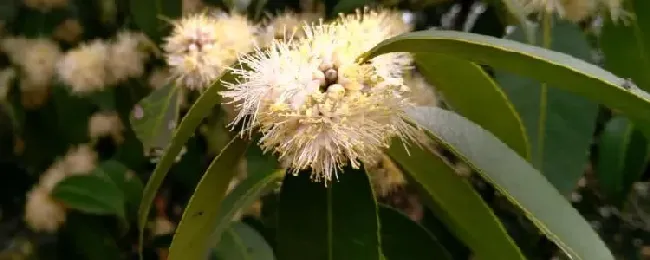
x=126 y=57
x=42 y=212
x=80 y=160
x=200 y=47
x=37 y=59
x=316 y=106
x=103 y=124
x=83 y=69
x=53 y=176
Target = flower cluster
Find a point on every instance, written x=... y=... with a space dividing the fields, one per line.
x=93 y=65
x=201 y=46
x=316 y=105
x=44 y=213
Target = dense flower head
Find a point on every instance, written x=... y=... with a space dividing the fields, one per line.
x=83 y=69
x=315 y=105
x=42 y=212
x=36 y=58
x=201 y=46
x=126 y=57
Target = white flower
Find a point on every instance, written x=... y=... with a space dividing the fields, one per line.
x=83 y=68
x=200 y=47
x=55 y=174
x=105 y=124
x=42 y=213
x=316 y=106
x=80 y=160
x=37 y=59
x=126 y=59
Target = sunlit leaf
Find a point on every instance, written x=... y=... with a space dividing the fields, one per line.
x=192 y=238
x=517 y=180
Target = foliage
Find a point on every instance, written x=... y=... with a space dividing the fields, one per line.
x=526 y=138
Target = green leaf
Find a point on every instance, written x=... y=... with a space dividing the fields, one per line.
x=517 y=180
x=126 y=180
x=402 y=238
x=335 y=222
x=622 y=158
x=192 y=238
x=201 y=109
x=473 y=94
x=154 y=118
x=244 y=195
x=560 y=125
x=456 y=203
x=90 y=238
x=72 y=114
x=241 y=242
x=94 y=194
x=626 y=47
x=557 y=69
x=153 y=16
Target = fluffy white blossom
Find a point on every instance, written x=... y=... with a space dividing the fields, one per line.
x=315 y=105
x=36 y=58
x=81 y=159
x=42 y=213
x=126 y=57
x=83 y=69
x=106 y=124
x=201 y=46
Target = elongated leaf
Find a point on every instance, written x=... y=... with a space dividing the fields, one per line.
x=402 y=238
x=153 y=16
x=91 y=193
x=244 y=195
x=192 y=238
x=557 y=69
x=201 y=108
x=622 y=158
x=626 y=46
x=334 y=222
x=457 y=204
x=126 y=180
x=154 y=118
x=517 y=180
x=473 y=94
x=560 y=125
x=241 y=242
